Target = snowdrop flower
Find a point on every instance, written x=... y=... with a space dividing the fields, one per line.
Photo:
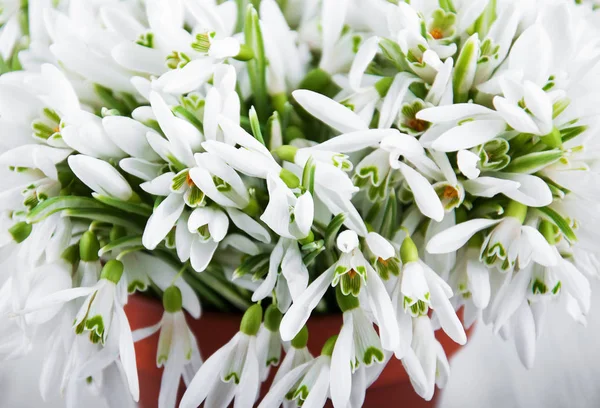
x=428 y=365
x=351 y=272
x=296 y=355
x=219 y=182
x=420 y=288
x=269 y=341
x=232 y=372
x=287 y=274
x=208 y=226
x=102 y=316
x=309 y=384
x=508 y=242
x=358 y=344
x=287 y=215
x=177 y=348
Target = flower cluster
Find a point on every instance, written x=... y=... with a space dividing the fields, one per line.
x=393 y=162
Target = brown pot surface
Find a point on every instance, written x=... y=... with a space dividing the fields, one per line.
x=214 y=329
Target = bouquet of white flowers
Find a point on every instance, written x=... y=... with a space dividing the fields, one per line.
x=388 y=161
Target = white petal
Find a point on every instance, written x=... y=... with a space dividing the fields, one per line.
x=479 y=282
x=341 y=364
x=380 y=246
x=304 y=213
x=100 y=176
x=127 y=353
x=141 y=334
x=162 y=220
x=140 y=168
x=425 y=196
x=542 y=252
x=452 y=113
x=246 y=392
x=540 y=104
x=533 y=192
x=279 y=389
x=347 y=241
x=454 y=238
x=468 y=135
x=575 y=283
x=328 y=111
x=201 y=254
x=318 y=393
x=249 y=225
x=363 y=58
x=205 y=379
x=489 y=186
x=356 y=141
x=516 y=117
x=446 y=314
x=525 y=337
x=467 y=163
x=382 y=308
x=531 y=54
x=160 y=186
x=130 y=136
x=268 y=284
x=297 y=315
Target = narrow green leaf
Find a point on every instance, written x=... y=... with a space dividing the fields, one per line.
x=447 y=5
x=255 y=125
x=185 y=114
x=257 y=67
x=121 y=243
x=572 y=132
x=332 y=229
x=56 y=204
x=534 y=162
x=308 y=176
x=464 y=71
x=560 y=222
x=390 y=216
x=134 y=208
x=392 y=51
x=109 y=216
x=486 y=19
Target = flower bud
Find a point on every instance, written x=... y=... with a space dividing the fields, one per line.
x=301 y=339
x=89 y=247
x=251 y=320
x=172 y=300
x=112 y=271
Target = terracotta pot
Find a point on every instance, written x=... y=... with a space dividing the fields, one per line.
x=214 y=329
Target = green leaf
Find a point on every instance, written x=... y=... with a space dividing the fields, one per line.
x=486 y=19
x=569 y=133
x=255 y=125
x=185 y=114
x=121 y=243
x=464 y=71
x=109 y=216
x=447 y=5
x=534 y=162
x=308 y=175
x=392 y=51
x=56 y=204
x=390 y=216
x=134 y=208
x=332 y=229
x=560 y=222
x=257 y=67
